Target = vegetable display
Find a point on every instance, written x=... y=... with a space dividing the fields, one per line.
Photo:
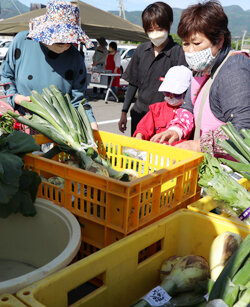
x=18 y=187
x=233 y=284
x=233 y=197
x=182 y=284
x=185 y=280
x=221 y=250
x=55 y=117
x=238 y=147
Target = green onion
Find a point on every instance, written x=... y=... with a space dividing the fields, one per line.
x=237 y=140
x=70 y=128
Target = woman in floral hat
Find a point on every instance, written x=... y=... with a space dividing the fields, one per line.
x=45 y=55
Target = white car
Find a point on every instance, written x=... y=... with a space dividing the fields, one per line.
x=126 y=52
x=4 y=46
x=88 y=54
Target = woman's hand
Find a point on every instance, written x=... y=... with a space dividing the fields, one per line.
x=94 y=126
x=169 y=136
x=140 y=136
x=20 y=98
x=123 y=122
x=190 y=145
x=116 y=70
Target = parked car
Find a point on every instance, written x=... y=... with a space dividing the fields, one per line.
x=126 y=52
x=88 y=53
x=4 y=46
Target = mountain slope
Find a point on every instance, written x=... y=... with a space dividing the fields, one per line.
x=10 y=8
x=239 y=20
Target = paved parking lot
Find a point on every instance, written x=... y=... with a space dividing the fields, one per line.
x=107 y=115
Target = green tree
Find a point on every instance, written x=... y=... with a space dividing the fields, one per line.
x=177 y=39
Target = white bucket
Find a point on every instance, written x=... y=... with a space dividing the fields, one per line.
x=32 y=248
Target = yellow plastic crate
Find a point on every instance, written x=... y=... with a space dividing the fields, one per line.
x=8 y=300
x=109 y=209
x=206 y=204
x=128 y=269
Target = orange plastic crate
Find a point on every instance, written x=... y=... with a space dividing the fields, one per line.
x=108 y=209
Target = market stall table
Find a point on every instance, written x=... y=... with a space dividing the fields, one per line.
x=104 y=80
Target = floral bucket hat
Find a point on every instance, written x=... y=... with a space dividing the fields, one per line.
x=60 y=24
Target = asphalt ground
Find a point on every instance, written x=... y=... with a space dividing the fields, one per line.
x=107 y=114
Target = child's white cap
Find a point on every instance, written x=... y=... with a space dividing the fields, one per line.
x=177 y=80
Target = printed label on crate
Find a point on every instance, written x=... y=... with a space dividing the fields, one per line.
x=157 y=297
x=206 y=297
x=95 y=77
x=245 y=215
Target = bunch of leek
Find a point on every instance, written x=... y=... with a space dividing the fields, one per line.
x=233 y=284
x=182 y=275
x=54 y=116
x=222 y=248
x=222 y=187
x=238 y=147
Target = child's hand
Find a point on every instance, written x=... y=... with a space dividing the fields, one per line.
x=169 y=136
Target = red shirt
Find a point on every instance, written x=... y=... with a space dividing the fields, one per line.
x=156 y=120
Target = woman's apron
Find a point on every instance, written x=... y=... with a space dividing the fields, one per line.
x=110 y=65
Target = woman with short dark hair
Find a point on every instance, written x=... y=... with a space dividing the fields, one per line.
x=150 y=63
x=220 y=90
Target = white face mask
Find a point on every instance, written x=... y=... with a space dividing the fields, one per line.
x=201 y=60
x=158 y=37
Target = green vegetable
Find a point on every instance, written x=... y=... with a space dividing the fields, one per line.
x=243 y=275
x=240 y=151
x=222 y=248
x=231 y=151
x=241 y=168
x=244 y=299
x=233 y=266
x=6 y=124
x=236 y=138
x=222 y=187
x=185 y=275
x=187 y=299
x=69 y=128
x=231 y=292
x=168 y=265
x=18 y=187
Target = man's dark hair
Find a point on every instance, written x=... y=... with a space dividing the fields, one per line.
x=157 y=13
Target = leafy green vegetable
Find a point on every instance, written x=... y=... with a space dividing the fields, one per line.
x=6 y=123
x=221 y=186
x=18 y=187
x=10 y=172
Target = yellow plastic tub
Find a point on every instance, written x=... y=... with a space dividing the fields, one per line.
x=108 y=209
x=8 y=300
x=207 y=204
x=126 y=270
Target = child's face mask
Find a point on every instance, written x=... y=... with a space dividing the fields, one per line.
x=174 y=100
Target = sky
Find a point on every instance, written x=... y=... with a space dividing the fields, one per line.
x=139 y=5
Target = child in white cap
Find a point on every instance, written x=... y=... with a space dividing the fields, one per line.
x=174 y=87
